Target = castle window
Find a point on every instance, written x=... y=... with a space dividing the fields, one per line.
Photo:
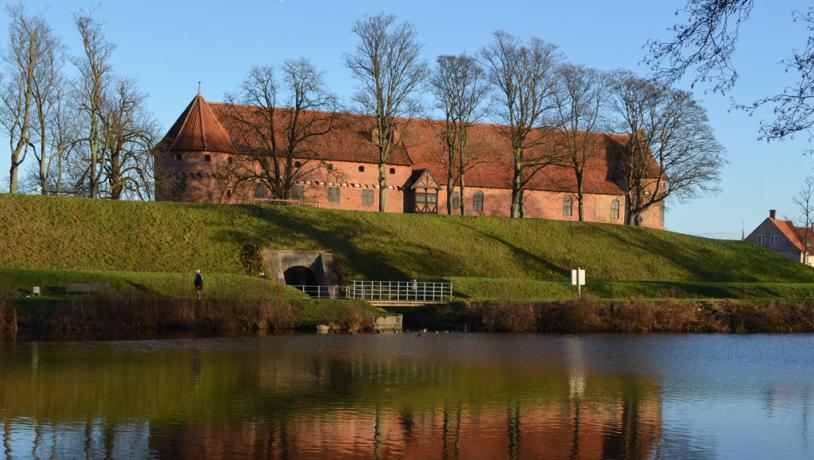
x=477 y=202
x=298 y=192
x=361 y=168
x=261 y=191
x=178 y=156
x=568 y=207
x=207 y=158
x=333 y=194
x=456 y=201
x=761 y=240
x=392 y=170
x=614 y=209
x=773 y=240
x=367 y=197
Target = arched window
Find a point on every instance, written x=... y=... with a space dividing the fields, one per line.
x=567 y=206
x=477 y=202
x=614 y=209
x=261 y=191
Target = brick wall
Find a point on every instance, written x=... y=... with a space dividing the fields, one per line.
x=191 y=178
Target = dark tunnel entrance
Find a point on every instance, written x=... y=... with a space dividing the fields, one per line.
x=300 y=276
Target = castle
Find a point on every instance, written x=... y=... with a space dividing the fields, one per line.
x=196 y=160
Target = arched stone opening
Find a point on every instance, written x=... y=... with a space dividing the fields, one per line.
x=299 y=275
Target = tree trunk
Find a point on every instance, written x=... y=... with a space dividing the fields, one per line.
x=461 y=178
x=450 y=174
x=580 y=197
x=12 y=181
x=516 y=190
x=382 y=187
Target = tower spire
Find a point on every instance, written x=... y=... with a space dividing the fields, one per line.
x=199 y=87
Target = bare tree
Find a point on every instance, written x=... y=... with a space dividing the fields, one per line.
x=459 y=87
x=279 y=122
x=707 y=42
x=128 y=134
x=95 y=80
x=671 y=149
x=804 y=201
x=523 y=77
x=389 y=69
x=32 y=67
x=48 y=91
x=580 y=100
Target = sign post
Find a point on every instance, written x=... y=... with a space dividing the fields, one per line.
x=578 y=280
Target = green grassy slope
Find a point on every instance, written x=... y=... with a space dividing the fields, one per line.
x=534 y=290
x=71 y=233
x=17 y=283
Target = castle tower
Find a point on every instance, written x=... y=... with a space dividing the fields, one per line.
x=190 y=159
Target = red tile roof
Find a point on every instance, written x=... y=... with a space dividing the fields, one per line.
x=198 y=129
x=215 y=127
x=794 y=234
x=349 y=141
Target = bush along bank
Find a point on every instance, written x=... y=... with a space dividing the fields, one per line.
x=128 y=315
x=632 y=315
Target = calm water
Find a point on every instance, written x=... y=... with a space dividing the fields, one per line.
x=408 y=396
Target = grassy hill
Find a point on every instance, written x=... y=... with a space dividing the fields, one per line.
x=83 y=234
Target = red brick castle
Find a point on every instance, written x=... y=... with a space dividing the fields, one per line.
x=193 y=160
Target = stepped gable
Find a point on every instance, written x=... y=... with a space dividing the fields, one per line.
x=198 y=129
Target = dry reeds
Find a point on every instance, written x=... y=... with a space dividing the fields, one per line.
x=641 y=316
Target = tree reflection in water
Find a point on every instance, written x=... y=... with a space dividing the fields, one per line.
x=253 y=397
x=464 y=396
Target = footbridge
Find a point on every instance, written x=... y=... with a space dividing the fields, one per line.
x=385 y=293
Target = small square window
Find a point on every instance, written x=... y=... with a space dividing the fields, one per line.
x=333 y=194
x=361 y=168
x=392 y=170
x=330 y=167
x=178 y=156
x=367 y=197
x=207 y=158
x=231 y=160
x=297 y=164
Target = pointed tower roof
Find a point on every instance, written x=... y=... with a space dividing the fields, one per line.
x=198 y=129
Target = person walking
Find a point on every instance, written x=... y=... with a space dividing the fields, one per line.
x=198 y=284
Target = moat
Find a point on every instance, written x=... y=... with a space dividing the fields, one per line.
x=411 y=396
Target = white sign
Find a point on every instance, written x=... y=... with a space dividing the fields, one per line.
x=578 y=280
x=578 y=277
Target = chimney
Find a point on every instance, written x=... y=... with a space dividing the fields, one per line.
x=772 y=214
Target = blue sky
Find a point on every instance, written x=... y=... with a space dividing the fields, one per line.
x=168 y=46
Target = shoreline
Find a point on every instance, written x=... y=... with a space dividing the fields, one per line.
x=100 y=318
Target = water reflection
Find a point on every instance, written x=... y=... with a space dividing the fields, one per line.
x=469 y=396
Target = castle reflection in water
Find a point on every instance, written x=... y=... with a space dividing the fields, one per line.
x=230 y=398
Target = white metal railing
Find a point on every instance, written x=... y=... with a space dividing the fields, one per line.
x=384 y=291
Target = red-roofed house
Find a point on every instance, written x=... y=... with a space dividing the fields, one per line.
x=191 y=158
x=784 y=238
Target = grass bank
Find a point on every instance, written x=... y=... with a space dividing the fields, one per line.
x=509 y=289
x=136 y=302
x=632 y=315
x=83 y=234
